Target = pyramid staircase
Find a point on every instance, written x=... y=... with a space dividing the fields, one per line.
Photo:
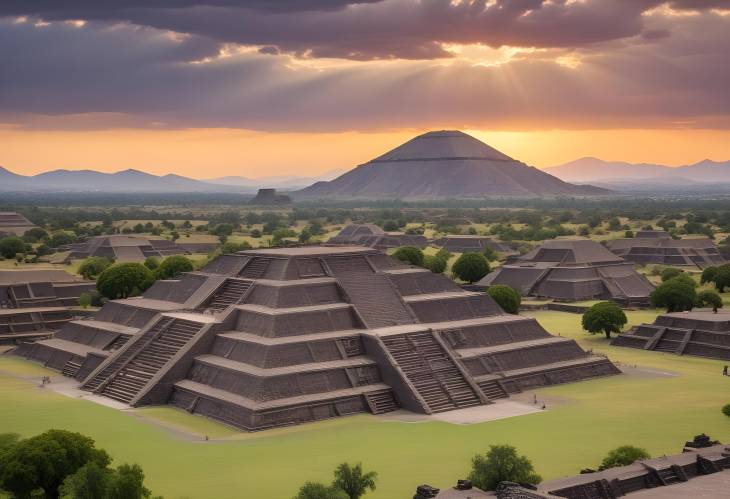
x=493 y=389
x=126 y=375
x=71 y=368
x=381 y=402
x=118 y=343
x=372 y=294
x=431 y=371
x=232 y=291
x=255 y=268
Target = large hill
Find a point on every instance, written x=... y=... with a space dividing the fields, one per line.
x=625 y=175
x=444 y=164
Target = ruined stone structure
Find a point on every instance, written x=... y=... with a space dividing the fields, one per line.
x=372 y=236
x=697 y=472
x=658 y=247
x=700 y=333
x=33 y=303
x=474 y=244
x=572 y=270
x=14 y=224
x=272 y=337
x=124 y=248
x=269 y=197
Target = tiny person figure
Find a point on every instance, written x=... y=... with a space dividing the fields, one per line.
x=724 y=371
x=206 y=438
x=544 y=406
x=534 y=399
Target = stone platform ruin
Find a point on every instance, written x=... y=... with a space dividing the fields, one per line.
x=699 y=333
x=372 y=236
x=34 y=303
x=573 y=270
x=658 y=247
x=272 y=337
x=123 y=248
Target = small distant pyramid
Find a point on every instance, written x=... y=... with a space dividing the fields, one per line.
x=446 y=163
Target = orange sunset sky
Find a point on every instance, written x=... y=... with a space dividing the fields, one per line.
x=212 y=88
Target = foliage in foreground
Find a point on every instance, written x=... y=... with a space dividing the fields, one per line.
x=623 y=456
x=501 y=463
x=604 y=317
x=65 y=464
x=350 y=482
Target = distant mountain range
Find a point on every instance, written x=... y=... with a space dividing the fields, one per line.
x=138 y=181
x=620 y=175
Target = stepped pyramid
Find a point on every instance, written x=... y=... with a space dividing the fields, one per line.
x=273 y=337
x=447 y=163
x=572 y=270
x=658 y=247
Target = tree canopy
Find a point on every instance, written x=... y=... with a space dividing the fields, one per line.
x=409 y=254
x=123 y=280
x=506 y=297
x=11 y=246
x=501 y=463
x=93 y=266
x=314 y=490
x=670 y=273
x=172 y=266
x=676 y=295
x=623 y=456
x=709 y=298
x=353 y=480
x=470 y=267
x=604 y=317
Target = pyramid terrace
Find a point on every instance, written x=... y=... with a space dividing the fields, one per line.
x=572 y=270
x=266 y=338
x=658 y=247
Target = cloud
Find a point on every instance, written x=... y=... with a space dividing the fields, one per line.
x=372 y=29
x=109 y=75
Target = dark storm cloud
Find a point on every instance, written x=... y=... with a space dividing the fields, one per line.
x=143 y=77
x=408 y=29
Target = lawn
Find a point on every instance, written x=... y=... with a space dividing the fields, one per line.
x=583 y=421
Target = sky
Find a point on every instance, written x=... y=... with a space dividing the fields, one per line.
x=303 y=87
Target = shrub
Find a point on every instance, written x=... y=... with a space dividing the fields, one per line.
x=623 y=456
x=726 y=410
x=676 y=294
x=434 y=263
x=11 y=246
x=409 y=254
x=470 y=267
x=506 y=297
x=501 y=463
x=708 y=275
x=85 y=300
x=722 y=277
x=93 y=266
x=670 y=273
x=152 y=262
x=172 y=266
x=490 y=254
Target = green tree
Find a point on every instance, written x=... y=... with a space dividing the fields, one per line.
x=623 y=456
x=409 y=254
x=709 y=298
x=35 y=234
x=501 y=463
x=670 y=273
x=676 y=294
x=722 y=277
x=434 y=263
x=172 y=266
x=305 y=235
x=152 y=262
x=725 y=410
x=278 y=235
x=91 y=481
x=61 y=238
x=84 y=300
x=92 y=266
x=470 y=267
x=7 y=440
x=44 y=461
x=313 y=490
x=708 y=275
x=604 y=317
x=629 y=234
x=490 y=254
x=506 y=297
x=353 y=480
x=11 y=246
x=123 y=280
x=128 y=483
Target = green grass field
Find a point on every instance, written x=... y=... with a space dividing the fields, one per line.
x=656 y=410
